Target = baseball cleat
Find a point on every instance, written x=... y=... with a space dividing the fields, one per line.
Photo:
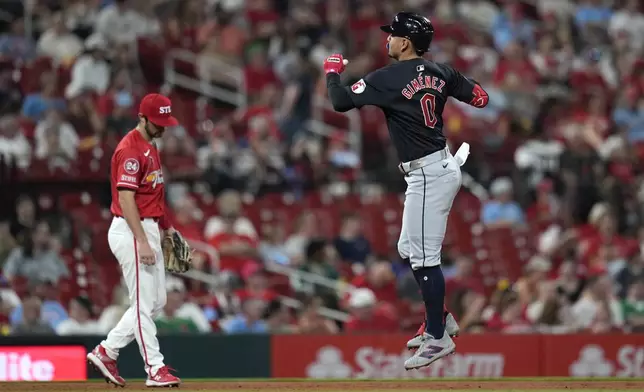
x=430 y=351
x=163 y=378
x=451 y=327
x=105 y=365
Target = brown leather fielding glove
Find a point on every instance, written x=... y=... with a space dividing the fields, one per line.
x=177 y=253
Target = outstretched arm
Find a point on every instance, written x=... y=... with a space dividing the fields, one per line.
x=468 y=90
x=338 y=94
x=363 y=92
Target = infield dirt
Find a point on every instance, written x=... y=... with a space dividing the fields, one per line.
x=339 y=386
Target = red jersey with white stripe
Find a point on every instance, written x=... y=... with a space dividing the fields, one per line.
x=136 y=166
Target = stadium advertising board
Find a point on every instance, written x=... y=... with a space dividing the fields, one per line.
x=594 y=356
x=381 y=356
x=36 y=363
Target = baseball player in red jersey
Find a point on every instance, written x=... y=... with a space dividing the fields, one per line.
x=134 y=237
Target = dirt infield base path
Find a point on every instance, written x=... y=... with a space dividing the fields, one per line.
x=340 y=386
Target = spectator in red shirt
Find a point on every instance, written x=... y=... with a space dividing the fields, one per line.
x=380 y=279
x=589 y=78
x=262 y=17
x=603 y=232
x=516 y=64
x=188 y=218
x=178 y=151
x=505 y=314
x=232 y=234
x=263 y=106
x=546 y=207
x=257 y=284
x=367 y=315
x=463 y=277
x=258 y=74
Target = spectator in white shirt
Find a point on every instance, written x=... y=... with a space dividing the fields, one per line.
x=14 y=146
x=598 y=293
x=112 y=314
x=629 y=20
x=58 y=43
x=480 y=13
x=80 y=16
x=90 y=71
x=327 y=46
x=56 y=139
x=177 y=306
x=560 y=8
x=230 y=213
x=120 y=24
x=80 y=319
x=304 y=230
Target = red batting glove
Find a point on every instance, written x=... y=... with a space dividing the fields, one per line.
x=334 y=63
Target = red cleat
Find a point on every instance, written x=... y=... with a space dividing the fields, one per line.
x=163 y=378
x=421 y=329
x=99 y=359
x=451 y=328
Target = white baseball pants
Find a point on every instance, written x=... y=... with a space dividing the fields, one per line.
x=432 y=184
x=146 y=288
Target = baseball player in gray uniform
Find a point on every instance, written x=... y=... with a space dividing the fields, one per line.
x=412 y=92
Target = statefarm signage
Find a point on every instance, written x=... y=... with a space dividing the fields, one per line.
x=381 y=356
x=477 y=356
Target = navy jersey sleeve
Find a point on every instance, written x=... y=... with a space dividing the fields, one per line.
x=369 y=90
x=465 y=89
x=366 y=91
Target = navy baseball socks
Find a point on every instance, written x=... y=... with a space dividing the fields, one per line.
x=435 y=343
x=432 y=287
x=451 y=326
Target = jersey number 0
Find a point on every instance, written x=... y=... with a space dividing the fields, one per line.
x=427 y=104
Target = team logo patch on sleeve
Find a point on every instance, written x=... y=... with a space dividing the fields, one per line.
x=131 y=166
x=359 y=87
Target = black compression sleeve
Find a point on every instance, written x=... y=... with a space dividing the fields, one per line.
x=338 y=94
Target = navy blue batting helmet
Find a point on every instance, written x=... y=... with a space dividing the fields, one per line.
x=416 y=28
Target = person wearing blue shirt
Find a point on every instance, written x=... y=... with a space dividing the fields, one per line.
x=36 y=105
x=510 y=26
x=52 y=312
x=272 y=247
x=502 y=211
x=630 y=117
x=249 y=321
x=16 y=45
x=594 y=12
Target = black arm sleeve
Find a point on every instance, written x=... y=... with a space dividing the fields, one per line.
x=338 y=94
x=467 y=90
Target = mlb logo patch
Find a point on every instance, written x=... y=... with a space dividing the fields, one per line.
x=359 y=87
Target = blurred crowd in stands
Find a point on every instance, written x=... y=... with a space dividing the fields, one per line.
x=546 y=235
